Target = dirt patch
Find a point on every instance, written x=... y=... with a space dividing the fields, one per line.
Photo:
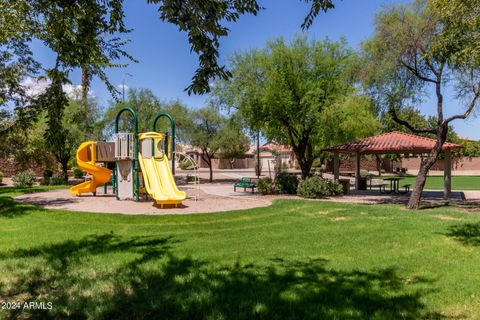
x=338 y=219
x=207 y=203
x=454 y=314
x=445 y=217
x=317 y=213
x=321 y=212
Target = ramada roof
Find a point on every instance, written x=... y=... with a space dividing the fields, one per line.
x=392 y=142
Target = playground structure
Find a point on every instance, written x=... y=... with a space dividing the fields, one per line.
x=141 y=164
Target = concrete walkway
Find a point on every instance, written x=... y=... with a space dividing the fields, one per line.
x=226 y=190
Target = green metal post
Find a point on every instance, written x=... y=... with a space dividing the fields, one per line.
x=166 y=143
x=105 y=185
x=172 y=128
x=135 y=151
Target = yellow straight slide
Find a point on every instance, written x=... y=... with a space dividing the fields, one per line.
x=159 y=181
x=100 y=175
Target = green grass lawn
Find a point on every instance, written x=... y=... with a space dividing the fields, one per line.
x=436 y=182
x=293 y=260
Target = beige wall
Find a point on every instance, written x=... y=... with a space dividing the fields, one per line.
x=460 y=164
x=413 y=164
x=225 y=164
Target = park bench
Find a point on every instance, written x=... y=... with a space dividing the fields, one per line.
x=246 y=183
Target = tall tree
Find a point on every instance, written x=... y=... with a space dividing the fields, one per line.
x=80 y=33
x=85 y=34
x=288 y=90
x=16 y=62
x=206 y=133
x=148 y=106
x=94 y=24
x=233 y=142
x=431 y=44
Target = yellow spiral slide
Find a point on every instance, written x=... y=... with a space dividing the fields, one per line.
x=87 y=162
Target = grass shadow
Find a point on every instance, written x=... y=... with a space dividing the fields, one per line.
x=9 y=208
x=8 y=190
x=150 y=281
x=466 y=233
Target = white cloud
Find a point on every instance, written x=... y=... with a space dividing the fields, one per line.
x=122 y=86
x=34 y=87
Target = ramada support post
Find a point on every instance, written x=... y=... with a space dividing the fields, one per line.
x=357 y=170
x=447 y=175
x=336 y=165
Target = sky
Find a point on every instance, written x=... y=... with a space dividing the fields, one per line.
x=166 y=64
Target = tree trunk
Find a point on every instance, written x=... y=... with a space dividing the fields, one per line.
x=85 y=85
x=379 y=165
x=64 y=165
x=211 y=171
x=305 y=166
x=208 y=160
x=304 y=155
x=426 y=164
x=84 y=88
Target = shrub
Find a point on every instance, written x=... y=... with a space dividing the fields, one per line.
x=47 y=173
x=1 y=177
x=364 y=173
x=186 y=165
x=24 y=179
x=317 y=163
x=266 y=186
x=45 y=181
x=77 y=173
x=315 y=187
x=191 y=179
x=56 y=181
x=286 y=183
x=404 y=170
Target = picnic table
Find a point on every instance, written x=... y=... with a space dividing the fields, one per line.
x=395 y=185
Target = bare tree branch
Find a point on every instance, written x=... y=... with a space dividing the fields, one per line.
x=429 y=64
x=469 y=110
x=393 y=114
x=417 y=73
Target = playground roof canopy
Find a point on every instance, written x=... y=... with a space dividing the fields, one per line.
x=392 y=142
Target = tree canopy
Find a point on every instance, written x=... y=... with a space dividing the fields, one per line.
x=295 y=92
x=428 y=45
x=148 y=106
x=206 y=133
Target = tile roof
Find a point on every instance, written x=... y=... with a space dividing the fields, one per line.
x=272 y=146
x=392 y=142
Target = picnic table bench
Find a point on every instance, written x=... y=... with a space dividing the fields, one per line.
x=246 y=183
x=381 y=187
